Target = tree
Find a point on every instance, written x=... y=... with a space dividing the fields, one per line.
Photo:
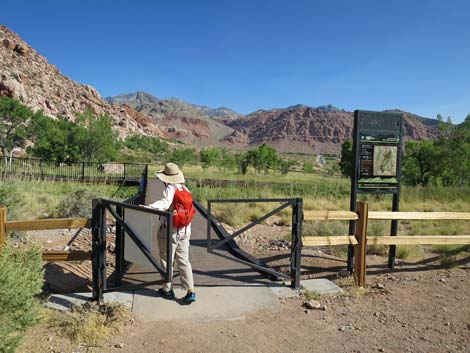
x=55 y=139
x=90 y=139
x=228 y=160
x=98 y=142
x=420 y=164
x=347 y=159
x=144 y=143
x=210 y=157
x=13 y=119
x=242 y=160
x=182 y=156
x=263 y=158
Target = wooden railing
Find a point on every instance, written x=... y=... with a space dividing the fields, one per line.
x=44 y=224
x=360 y=240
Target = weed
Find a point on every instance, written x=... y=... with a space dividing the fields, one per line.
x=311 y=295
x=409 y=251
x=88 y=323
x=448 y=261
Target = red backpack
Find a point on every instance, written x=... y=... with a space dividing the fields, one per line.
x=183 y=205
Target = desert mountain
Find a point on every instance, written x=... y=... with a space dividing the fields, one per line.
x=194 y=124
x=305 y=129
x=26 y=76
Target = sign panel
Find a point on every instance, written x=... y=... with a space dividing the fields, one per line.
x=146 y=226
x=377 y=146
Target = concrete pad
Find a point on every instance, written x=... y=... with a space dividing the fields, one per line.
x=321 y=286
x=65 y=302
x=213 y=303
x=283 y=291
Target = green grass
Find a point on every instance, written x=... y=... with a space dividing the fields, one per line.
x=195 y=171
x=40 y=199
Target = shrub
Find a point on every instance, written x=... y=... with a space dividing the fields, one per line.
x=21 y=277
x=11 y=198
x=90 y=324
x=76 y=204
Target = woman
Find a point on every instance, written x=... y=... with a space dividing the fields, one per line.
x=177 y=199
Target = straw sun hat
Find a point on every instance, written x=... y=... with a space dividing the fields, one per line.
x=171 y=174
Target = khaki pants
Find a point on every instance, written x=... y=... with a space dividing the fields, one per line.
x=180 y=256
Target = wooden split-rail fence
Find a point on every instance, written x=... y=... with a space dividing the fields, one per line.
x=45 y=224
x=360 y=240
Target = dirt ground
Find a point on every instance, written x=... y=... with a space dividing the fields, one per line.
x=418 y=307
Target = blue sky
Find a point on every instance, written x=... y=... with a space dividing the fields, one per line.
x=250 y=55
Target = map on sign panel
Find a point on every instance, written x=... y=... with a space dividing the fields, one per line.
x=385 y=160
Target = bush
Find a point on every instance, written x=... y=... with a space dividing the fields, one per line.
x=76 y=204
x=90 y=324
x=21 y=277
x=11 y=198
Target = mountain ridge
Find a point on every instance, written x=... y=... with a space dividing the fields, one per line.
x=27 y=76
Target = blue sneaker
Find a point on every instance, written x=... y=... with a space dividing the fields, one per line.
x=189 y=298
x=167 y=295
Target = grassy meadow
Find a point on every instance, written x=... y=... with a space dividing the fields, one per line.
x=31 y=199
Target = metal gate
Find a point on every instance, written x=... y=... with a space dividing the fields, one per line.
x=225 y=237
x=117 y=210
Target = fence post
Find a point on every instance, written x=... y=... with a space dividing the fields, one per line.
x=3 y=221
x=96 y=225
x=83 y=170
x=296 y=242
x=360 y=248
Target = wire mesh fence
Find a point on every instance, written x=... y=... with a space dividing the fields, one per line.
x=74 y=171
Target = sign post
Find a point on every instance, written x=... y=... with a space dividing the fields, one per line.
x=377 y=146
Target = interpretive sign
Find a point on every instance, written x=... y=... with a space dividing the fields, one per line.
x=377 y=146
x=377 y=156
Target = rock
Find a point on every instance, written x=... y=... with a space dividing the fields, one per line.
x=443 y=280
x=381 y=350
x=313 y=304
x=380 y=286
x=119 y=345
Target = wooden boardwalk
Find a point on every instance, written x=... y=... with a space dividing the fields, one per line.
x=208 y=269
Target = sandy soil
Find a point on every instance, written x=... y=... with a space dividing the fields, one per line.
x=418 y=307
x=421 y=311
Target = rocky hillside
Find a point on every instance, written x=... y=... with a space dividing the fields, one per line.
x=305 y=129
x=25 y=75
x=194 y=124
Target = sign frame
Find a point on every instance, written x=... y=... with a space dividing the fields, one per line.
x=373 y=129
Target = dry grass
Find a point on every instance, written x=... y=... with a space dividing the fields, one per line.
x=311 y=295
x=89 y=324
x=350 y=288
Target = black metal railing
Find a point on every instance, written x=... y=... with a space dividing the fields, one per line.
x=127 y=173
x=296 y=236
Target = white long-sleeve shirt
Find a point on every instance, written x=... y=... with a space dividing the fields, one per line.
x=165 y=203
